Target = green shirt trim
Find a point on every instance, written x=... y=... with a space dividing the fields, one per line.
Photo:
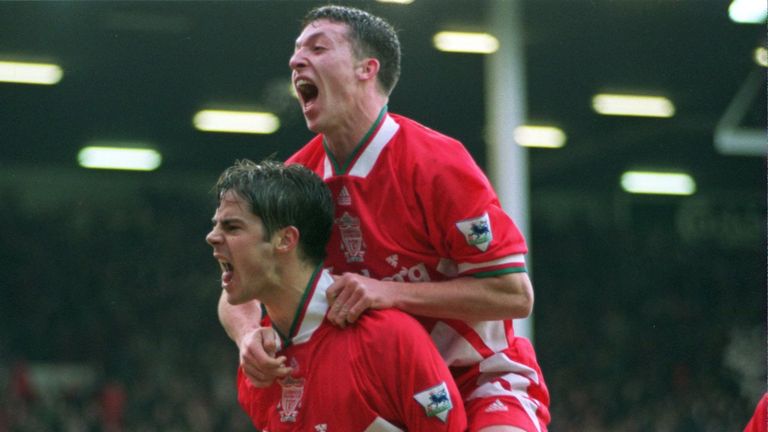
x=287 y=340
x=342 y=169
x=500 y=272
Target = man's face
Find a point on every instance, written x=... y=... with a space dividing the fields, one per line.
x=246 y=258
x=323 y=65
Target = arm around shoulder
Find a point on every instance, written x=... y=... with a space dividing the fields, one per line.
x=238 y=320
x=507 y=296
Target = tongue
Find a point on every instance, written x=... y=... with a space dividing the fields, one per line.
x=226 y=277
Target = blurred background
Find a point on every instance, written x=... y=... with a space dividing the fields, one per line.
x=650 y=306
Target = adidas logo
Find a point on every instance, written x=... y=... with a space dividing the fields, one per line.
x=392 y=260
x=496 y=406
x=344 y=198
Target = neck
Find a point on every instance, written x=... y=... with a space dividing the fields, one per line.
x=283 y=307
x=344 y=139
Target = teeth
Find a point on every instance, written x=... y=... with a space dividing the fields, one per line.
x=225 y=266
x=302 y=82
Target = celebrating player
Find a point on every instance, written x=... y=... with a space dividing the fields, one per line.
x=269 y=235
x=417 y=227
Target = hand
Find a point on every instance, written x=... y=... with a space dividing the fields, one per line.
x=351 y=294
x=257 y=357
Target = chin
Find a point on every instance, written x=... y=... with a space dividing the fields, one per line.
x=312 y=126
x=313 y=123
x=234 y=300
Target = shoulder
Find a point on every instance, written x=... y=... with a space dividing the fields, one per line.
x=422 y=134
x=376 y=318
x=390 y=326
x=311 y=151
x=430 y=150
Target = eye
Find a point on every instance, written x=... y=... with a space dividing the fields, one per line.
x=227 y=226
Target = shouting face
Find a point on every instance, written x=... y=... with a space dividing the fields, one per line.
x=323 y=66
x=246 y=257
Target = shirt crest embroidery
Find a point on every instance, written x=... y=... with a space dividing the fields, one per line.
x=290 y=399
x=477 y=231
x=436 y=401
x=351 y=238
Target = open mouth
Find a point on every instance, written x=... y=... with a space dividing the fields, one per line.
x=307 y=91
x=227 y=272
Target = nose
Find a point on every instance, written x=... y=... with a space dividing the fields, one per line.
x=213 y=238
x=297 y=60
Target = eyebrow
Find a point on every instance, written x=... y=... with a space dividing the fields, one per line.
x=310 y=38
x=225 y=221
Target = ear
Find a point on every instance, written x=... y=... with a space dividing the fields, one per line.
x=286 y=239
x=368 y=68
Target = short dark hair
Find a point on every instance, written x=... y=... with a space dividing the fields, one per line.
x=284 y=195
x=370 y=35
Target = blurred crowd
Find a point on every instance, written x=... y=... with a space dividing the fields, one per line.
x=635 y=330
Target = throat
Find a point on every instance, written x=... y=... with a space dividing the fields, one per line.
x=342 y=156
x=281 y=321
x=344 y=143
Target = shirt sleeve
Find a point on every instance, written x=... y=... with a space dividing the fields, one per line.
x=759 y=420
x=253 y=400
x=466 y=221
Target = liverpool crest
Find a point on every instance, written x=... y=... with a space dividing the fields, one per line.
x=290 y=399
x=351 y=238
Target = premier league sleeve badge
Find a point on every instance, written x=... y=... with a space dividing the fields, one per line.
x=477 y=231
x=436 y=401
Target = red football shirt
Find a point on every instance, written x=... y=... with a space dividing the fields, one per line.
x=759 y=420
x=412 y=205
x=380 y=374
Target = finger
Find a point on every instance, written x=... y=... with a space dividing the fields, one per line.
x=359 y=307
x=283 y=370
x=258 y=356
x=280 y=362
x=338 y=316
x=257 y=378
x=262 y=380
x=333 y=289
x=272 y=342
x=358 y=302
x=263 y=375
x=278 y=370
x=263 y=362
x=338 y=310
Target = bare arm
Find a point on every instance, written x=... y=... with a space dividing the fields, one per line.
x=469 y=299
x=257 y=345
x=238 y=320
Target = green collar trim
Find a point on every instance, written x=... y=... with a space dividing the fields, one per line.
x=337 y=169
x=298 y=315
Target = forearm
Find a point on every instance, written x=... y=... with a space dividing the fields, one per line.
x=237 y=320
x=470 y=299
